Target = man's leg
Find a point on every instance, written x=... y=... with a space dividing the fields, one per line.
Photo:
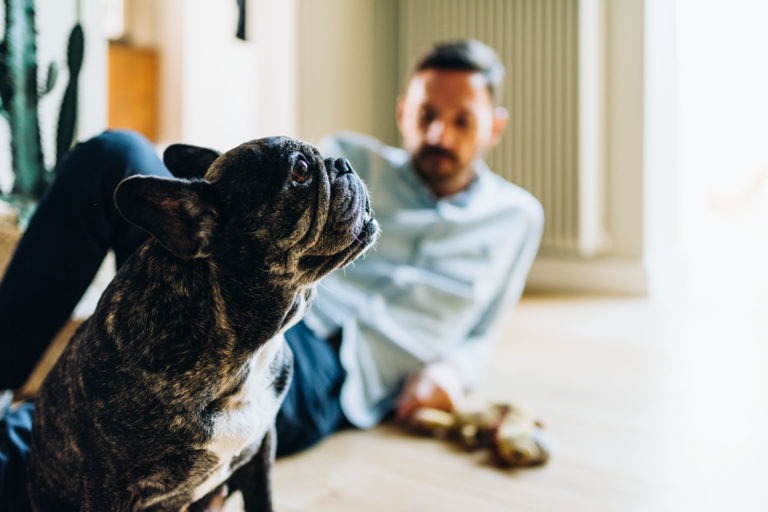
x=312 y=409
x=15 y=427
x=74 y=226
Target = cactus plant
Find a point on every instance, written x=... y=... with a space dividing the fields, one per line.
x=65 y=134
x=20 y=95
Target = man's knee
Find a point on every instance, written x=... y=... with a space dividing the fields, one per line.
x=102 y=161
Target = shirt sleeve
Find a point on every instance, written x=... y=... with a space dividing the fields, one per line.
x=472 y=357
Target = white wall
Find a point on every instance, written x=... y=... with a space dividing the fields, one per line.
x=661 y=243
x=307 y=69
x=347 y=67
x=217 y=90
x=625 y=127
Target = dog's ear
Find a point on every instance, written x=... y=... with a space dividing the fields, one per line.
x=181 y=214
x=185 y=161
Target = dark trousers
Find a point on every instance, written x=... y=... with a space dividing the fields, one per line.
x=74 y=226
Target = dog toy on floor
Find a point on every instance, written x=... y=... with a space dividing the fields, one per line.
x=513 y=439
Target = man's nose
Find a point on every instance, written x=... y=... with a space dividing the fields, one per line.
x=438 y=133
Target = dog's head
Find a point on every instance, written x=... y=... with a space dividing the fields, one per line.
x=273 y=205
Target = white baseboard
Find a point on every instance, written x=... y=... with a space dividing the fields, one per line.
x=600 y=275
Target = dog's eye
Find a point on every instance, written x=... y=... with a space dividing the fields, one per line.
x=300 y=171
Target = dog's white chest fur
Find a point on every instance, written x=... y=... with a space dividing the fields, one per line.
x=246 y=417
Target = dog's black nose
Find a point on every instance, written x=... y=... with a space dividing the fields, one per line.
x=342 y=166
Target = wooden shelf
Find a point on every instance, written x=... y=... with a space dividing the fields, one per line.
x=133 y=89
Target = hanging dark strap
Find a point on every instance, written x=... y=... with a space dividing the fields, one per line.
x=241 y=19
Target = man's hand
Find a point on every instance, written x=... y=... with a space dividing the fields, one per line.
x=437 y=385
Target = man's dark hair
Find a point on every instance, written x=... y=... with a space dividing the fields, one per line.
x=466 y=55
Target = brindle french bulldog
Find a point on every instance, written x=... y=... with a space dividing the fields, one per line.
x=171 y=388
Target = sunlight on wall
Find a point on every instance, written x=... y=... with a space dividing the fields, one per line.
x=723 y=135
x=718 y=333
x=723 y=96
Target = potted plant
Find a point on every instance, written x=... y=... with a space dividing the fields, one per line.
x=20 y=93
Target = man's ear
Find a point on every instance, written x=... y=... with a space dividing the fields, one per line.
x=399 y=111
x=180 y=214
x=500 y=119
x=185 y=161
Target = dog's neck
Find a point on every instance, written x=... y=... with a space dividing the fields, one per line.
x=183 y=305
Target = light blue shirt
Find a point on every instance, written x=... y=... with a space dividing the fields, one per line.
x=433 y=287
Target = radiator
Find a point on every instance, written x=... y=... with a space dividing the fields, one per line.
x=552 y=53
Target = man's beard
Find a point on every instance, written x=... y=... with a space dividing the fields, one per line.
x=430 y=163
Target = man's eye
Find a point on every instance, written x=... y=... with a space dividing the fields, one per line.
x=300 y=171
x=463 y=123
x=426 y=118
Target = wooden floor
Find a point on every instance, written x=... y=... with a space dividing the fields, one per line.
x=652 y=406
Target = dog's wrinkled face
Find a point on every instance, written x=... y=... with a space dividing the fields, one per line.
x=271 y=204
x=316 y=215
